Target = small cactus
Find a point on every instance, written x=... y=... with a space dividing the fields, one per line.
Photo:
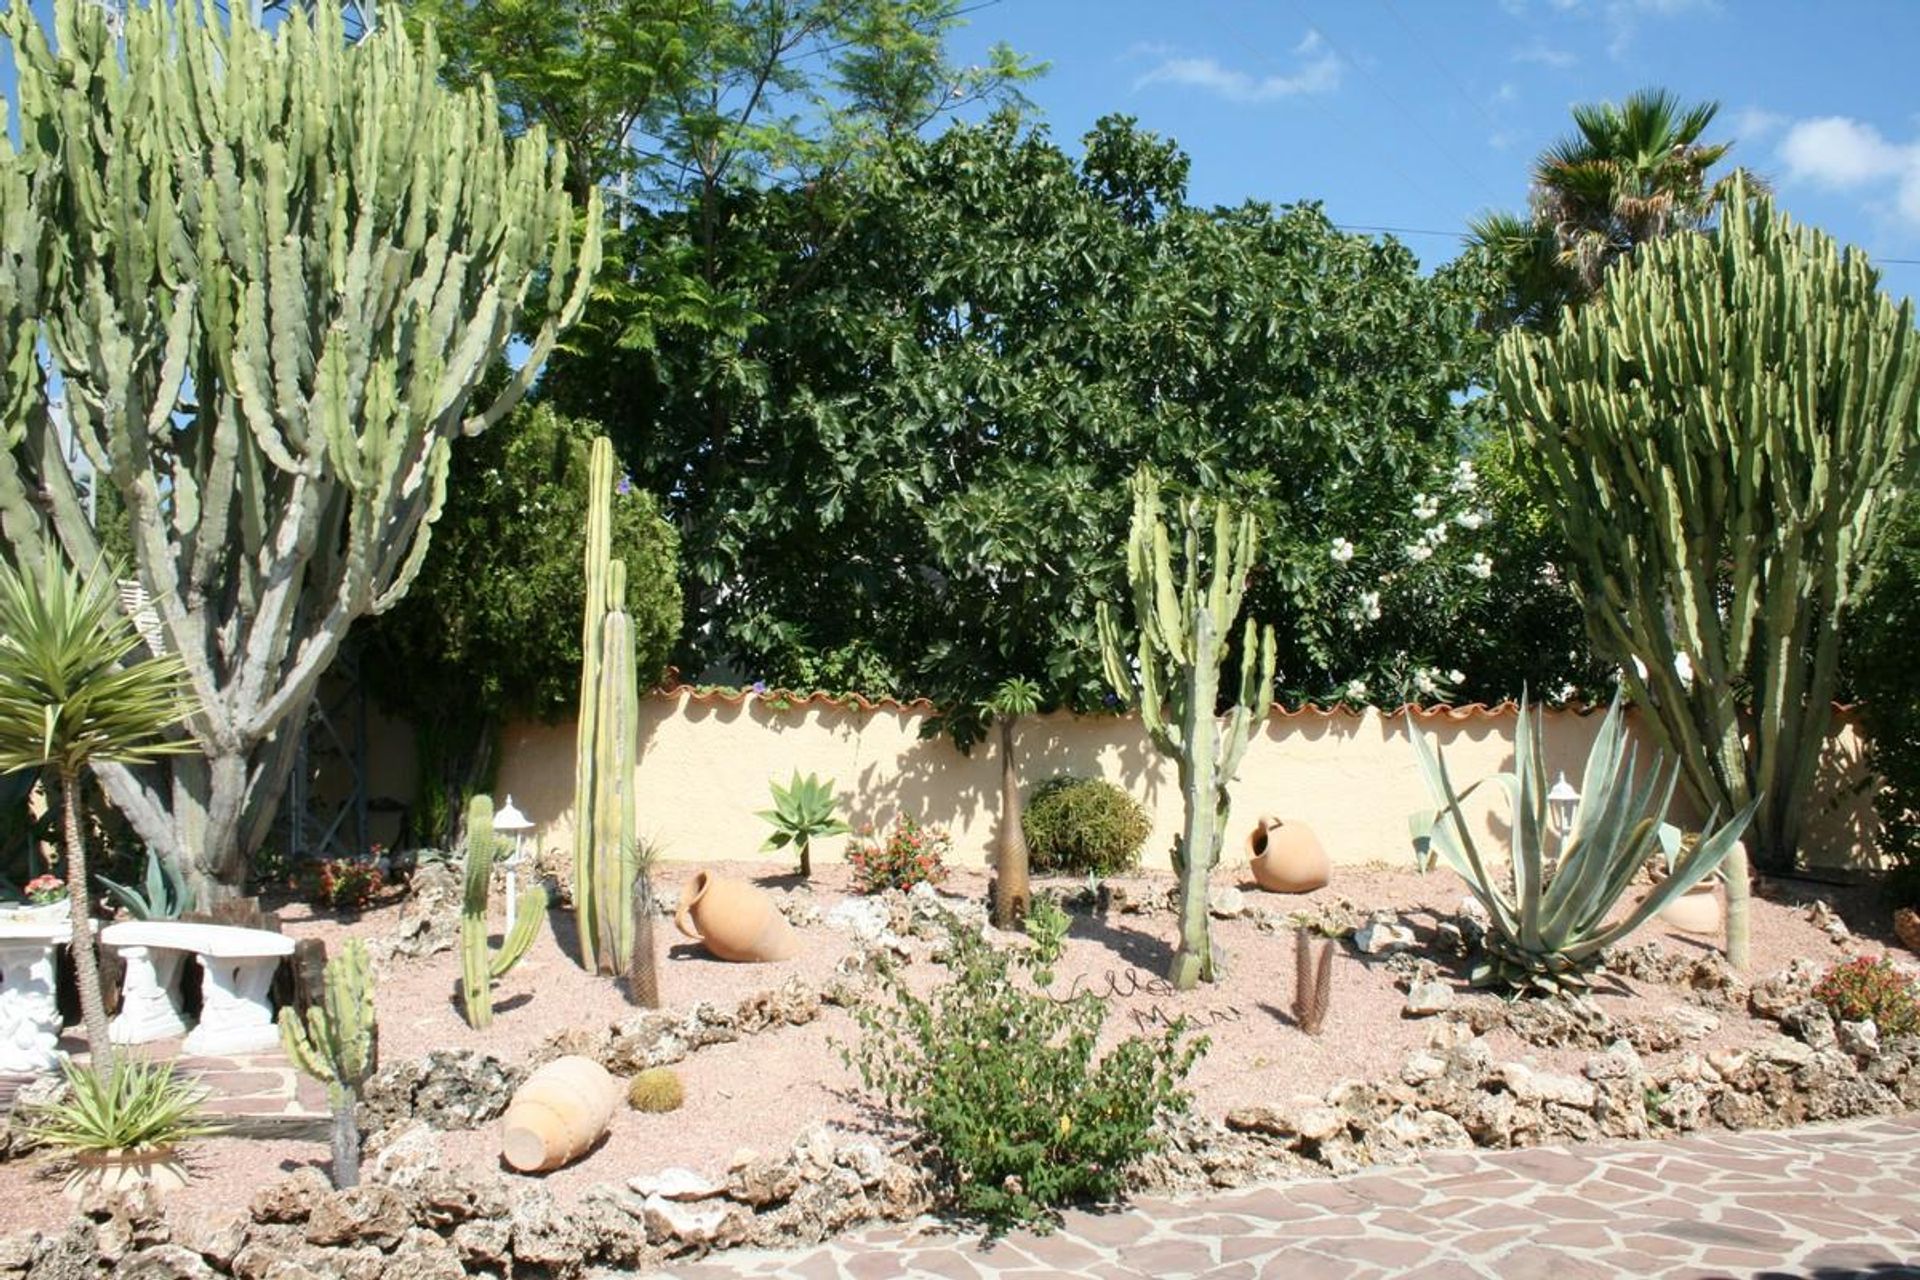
x=656 y=1089
x=1312 y=983
x=339 y=1045
x=481 y=967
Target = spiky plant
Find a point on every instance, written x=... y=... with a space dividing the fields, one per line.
x=1548 y=934
x=480 y=965
x=76 y=692
x=136 y=1105
x=339 y=1045
x=1312 y=983
x=802 y=811
x=164 y=895
x=643 y=966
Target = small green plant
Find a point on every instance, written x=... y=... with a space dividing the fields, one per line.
x=1549 y=933
x=802 y=811
x=656 y=1089
x=1869 y=987
x=346 y=884
x=165 y=896
x=137 y=1104
x=1005 y=1087
x=1047 y=924
x=1085 y=824
x=339 y=1045
x=480 y=965
x=908 y=854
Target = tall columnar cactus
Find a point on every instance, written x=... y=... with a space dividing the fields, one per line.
x=1184 y=614
x=339 y=1045
x=480 y=965
x=608 y=741
x=1723 y=435
x=270 y=269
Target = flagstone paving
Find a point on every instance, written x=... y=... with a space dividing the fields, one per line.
x=1819 y=1203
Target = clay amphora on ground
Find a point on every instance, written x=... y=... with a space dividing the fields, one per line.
x=734 y=920
x=1286 y=856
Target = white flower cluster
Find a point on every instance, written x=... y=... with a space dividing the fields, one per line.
x=1342 y=551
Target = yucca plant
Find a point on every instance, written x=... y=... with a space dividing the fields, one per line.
x=73 y=695
x=802 y=810
x=1550 y=932
x=136 y=1105
x=166 y=894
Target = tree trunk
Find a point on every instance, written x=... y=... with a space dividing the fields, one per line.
x=346 y=1141
x=86 y=964
x=1011 y=895
x=1195 y=959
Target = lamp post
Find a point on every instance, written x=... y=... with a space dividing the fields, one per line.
x=1562 y=803
x=510 y=821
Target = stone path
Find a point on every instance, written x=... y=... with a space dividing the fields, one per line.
x=1808 y=1204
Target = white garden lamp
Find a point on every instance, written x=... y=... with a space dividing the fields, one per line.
x=1562 y=803
x=510 y=821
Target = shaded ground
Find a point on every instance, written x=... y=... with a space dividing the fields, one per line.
x=1811 y=1204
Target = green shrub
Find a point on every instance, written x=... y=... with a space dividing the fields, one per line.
x=656 y=1089
x=1084 y=825
x=1870 y=987
x=904 y=856
x=1003 y=1084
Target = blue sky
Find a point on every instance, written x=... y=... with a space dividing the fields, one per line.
x=1420 y=113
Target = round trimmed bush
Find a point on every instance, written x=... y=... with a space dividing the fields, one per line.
x=656 y=1089
x=1084 y=825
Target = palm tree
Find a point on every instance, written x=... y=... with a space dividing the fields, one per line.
x=1012 y=699
x=1628 y=174
x=69 y=699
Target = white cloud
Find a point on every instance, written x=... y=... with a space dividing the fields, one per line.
x=1541 y=54
x=1319 y=71
x=1847 y=154
x=1750 y=124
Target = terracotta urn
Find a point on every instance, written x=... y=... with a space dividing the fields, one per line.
x=558 y=1114
x=734 y=920
x=1697 y=910
x=123 y=1169
x=1286 y=856
x=1906 y=927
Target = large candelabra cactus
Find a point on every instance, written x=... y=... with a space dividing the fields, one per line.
x=1724 y=434
x=270 y=269
x=607 y=743
x=480 y=965
x=1184 y=616
x=338 y=1044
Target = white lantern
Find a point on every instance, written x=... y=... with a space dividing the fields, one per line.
x=510 y=821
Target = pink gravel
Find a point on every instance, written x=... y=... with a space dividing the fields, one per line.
x=761 y=1092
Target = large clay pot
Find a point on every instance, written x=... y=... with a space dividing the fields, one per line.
x=734 y=920
x=558 y=1114
x=1697 y=910
x=123 y=1169
x=1286 y=857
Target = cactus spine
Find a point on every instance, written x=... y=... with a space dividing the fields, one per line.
x=1723 y=435
x=480 y=966
x=270 y=269
x=339 y=1045
x=607 y=742
x=1183 y=625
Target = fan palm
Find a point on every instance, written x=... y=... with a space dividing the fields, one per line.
x=1627 y=174
x=70 y=698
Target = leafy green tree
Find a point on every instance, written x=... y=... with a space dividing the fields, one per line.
x=1627 y=175
x=490 y=631
x=272 y=268
x=1725 y=434
x=71 y=700
x=1878 y=670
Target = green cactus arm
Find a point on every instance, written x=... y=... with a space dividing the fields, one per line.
x=529 y=915
x=300 y=1044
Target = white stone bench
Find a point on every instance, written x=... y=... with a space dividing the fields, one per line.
x=29 y=1011
x=237 y=966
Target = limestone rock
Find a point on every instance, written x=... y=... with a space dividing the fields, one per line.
x=403 y=1156
x=1420 y=1067
x=1428 y=998
x=216 y=1234
x=444 y=1197
x=676 y=1183
x=1561 y=1023
x=1303 y=1119
x=1772 y=997
x=292 y=1198
x=1861 y=1039
x=679 y=1223
x=1529 y=1085
x=483 y=1241
x=1812 y=1022
x=544 y=1236
x=447 y=1089
x=371 y=1213
x=761 y=1182
x=1226 y=902
x=863 y=917
x=164 y=1262
x=1377 y=937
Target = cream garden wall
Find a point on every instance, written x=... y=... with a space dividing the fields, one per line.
x=706 y=761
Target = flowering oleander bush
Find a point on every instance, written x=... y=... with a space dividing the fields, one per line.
x=906 y=855
x=42 y=890
x=1869 y=987
x=346 y=884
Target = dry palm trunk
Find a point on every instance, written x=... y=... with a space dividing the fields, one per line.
x=1011 y=894
x=643 y=964
x=86 y=964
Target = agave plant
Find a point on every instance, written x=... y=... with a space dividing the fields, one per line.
x=166 y=895
x=1551 y=931
x=135 y=1105
x=802 y=810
